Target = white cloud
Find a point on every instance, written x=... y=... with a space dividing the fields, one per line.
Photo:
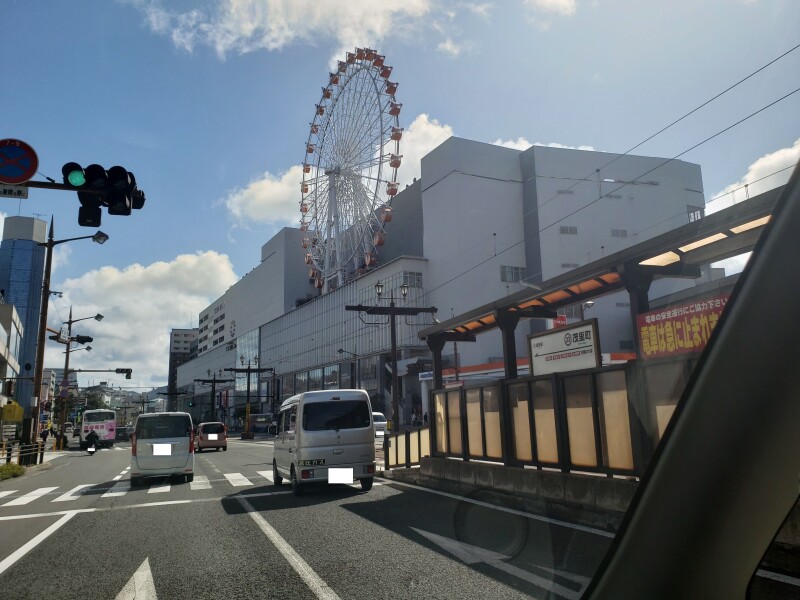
x=480 y=9
x=423 y=135
x=523 y=144
x=759 y=178
x=448 y=46
x=275 y=199
x=565 y=8
x=140 y=305
x=247 y=25
x=269 y=199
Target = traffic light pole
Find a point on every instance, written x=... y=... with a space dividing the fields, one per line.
x=246 y=434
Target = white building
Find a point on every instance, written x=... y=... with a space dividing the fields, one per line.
x=482 y=220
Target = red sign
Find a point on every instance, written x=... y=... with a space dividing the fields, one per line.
x=560 y=321
x=18 y=162
x=678 y=329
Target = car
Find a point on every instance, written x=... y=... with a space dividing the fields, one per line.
x=211 y=435
x=380 y=424
x=123 y=434
x=326 y=436
x=162 y=444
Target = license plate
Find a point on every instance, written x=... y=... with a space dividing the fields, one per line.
x=340 y=475
x=162 y=449
x=212 y=437
x=314 y=462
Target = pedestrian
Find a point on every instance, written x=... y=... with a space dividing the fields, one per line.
x=425 y=419
x=44 y=434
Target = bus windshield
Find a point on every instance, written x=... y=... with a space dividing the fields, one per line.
x=99 y=416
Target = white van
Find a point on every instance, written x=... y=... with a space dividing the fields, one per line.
x=325 y=436
x=162 y=444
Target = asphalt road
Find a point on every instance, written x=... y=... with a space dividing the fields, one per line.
x=76 y=529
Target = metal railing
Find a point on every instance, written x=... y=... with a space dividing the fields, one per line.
x=12 y=451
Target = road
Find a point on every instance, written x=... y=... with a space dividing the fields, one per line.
x=77 y=528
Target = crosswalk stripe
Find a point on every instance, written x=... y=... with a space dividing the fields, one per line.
x=266 y=475
x=237 y=479
x=118 y=489
x=158 y=489
x=200 y=482
x=30 y=496
x=7 y=493
x=73 y=494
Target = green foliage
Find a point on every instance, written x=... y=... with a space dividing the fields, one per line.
x=11 y=470
x=94 y=401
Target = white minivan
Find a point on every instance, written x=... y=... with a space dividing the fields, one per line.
x=325 y=436
x=162 y=444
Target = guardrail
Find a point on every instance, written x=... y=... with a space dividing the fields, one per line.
x=22 y=454
x=405 y=449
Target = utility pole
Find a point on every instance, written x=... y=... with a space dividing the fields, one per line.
x=393 y=311
x=214 y=381
x=247 y=434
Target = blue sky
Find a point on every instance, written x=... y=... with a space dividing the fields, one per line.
x=208 y=104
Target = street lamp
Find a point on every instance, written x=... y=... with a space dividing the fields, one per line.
x=357 y=370
x=100 y=238
x=65 y=383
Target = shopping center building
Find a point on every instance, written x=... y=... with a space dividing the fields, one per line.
x=482 y=222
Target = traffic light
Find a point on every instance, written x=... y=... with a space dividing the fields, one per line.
x=127 y=372
x=83 y=339
x=191 y=403
x=116 y=189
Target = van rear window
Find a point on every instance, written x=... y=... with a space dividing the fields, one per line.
x=213 y=428
x=341 y=414
x=166 y=426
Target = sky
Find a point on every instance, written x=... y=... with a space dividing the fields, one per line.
x=208 y=103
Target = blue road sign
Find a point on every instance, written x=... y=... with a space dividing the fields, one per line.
x=18 y=162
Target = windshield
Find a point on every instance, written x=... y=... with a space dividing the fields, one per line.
x=339 y=414
x=506 y=236
x=98 y=417
x=166 y=426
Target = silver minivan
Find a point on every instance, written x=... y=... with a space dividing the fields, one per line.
x=162 y=444
x=325 y=437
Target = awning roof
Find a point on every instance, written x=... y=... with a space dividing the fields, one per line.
x=676 y=253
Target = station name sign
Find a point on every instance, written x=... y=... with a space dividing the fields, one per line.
x=569 y=348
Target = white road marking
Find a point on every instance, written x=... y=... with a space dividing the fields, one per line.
x=73 y=494
x=141 y=585
x=200 y=482
x=159 y=489
x=30 y=496
x=778 y=577
x=266 y=475
x=7 y=493
x=237 y=479
x=23 y=550
x=117 y=478
x=118 y=489
x=314 y=582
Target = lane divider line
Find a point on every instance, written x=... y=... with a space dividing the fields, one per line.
x=12 y=558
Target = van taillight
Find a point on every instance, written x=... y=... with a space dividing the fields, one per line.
x=133 y=444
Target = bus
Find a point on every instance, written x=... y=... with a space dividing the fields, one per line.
x=104 y=422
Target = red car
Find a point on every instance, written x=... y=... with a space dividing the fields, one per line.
x=211 y=435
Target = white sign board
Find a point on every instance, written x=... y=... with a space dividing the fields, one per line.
x=563 y=349
x=13 y=191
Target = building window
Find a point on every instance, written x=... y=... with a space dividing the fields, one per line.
x=565 y=192
x=619 y=233
x=511 y=274
x=412 y=279
x=626 y=344
x=623 y=304
x=569 y=265
x=569 y=230
x=695 y=213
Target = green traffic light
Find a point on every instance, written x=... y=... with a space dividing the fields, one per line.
x=76 y=178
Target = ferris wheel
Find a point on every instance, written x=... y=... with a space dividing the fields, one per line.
x=350 y=170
